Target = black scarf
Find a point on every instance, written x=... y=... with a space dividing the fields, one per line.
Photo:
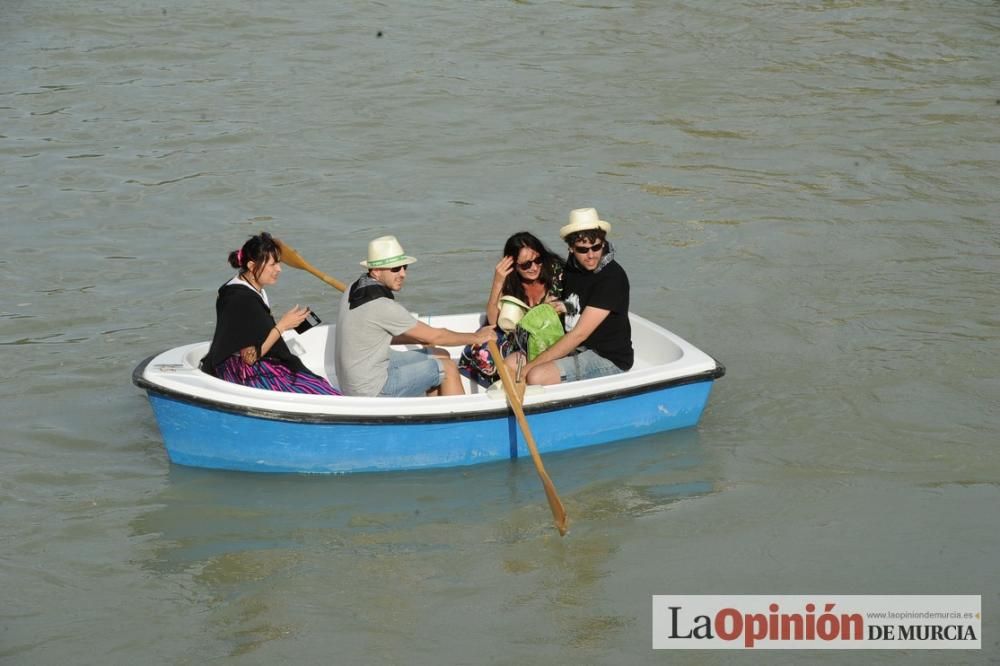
x=367 y=289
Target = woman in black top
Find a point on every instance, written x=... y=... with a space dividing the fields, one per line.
x=247 y=347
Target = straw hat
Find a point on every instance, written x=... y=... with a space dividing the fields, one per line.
x=582 y=219
x=511 y=311
x=386 y=252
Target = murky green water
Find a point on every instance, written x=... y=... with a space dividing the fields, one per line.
x=806 y=190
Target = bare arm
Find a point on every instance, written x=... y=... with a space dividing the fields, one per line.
x=288 y=321
x=423 y=334
x=503 y=269
x=590 y=319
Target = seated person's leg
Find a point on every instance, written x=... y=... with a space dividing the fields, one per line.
x=437 y=352
x=545 y=374
x=512 y=361
x=587 y=364
x=452 y=382
x=412 y=373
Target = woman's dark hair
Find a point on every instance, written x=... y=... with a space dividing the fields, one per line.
x=257 y=249
x=512 y=284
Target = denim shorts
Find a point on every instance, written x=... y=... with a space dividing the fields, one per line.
x=586 y=364
x=412 y=373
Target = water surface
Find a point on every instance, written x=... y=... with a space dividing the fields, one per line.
x=806 y=190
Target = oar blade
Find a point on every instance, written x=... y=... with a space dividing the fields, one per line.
x=291 y=257
x=555 y=504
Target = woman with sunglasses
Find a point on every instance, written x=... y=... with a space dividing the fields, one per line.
x=529 y=272
x=598 y=340
x=247 y=347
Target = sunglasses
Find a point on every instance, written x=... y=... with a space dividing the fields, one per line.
x=396 y=269
x=526 y=265
x=587 y=249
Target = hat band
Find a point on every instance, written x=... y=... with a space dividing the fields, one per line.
x=383 y=262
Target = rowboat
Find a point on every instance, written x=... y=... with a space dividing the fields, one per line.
x=207 y=422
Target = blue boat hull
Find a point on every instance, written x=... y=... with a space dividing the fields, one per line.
x=201 y=435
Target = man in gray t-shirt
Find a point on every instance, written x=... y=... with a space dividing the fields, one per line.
x=370 y=320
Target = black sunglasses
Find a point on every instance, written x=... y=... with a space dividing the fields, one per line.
x=396 y=269
x=525 y=265
x=587 y=249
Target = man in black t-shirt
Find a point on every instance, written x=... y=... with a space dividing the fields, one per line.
x=598 y=340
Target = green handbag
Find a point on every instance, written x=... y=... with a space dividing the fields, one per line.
x=543 y=327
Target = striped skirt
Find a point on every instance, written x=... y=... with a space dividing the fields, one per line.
x=273 y=376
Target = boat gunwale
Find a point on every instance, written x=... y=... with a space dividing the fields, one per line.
x=502 y=409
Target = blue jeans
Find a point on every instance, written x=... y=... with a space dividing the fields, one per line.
x=585 y=364
x=412 y=374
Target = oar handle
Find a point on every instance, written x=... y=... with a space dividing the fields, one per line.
x=332 y=281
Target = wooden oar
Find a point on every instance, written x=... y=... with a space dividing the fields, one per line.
x=558 y=512
x=291 y=257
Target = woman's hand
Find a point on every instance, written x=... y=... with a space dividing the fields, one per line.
x=292 y=318
x=248 y=355
x=503 y=269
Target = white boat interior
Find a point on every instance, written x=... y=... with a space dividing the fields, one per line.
x=661 y=357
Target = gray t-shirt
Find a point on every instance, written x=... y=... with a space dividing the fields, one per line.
x=361 y=349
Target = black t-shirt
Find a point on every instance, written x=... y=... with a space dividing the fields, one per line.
x=607 y=289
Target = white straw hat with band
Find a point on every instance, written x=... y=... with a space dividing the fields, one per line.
x=386 y=252
x=583 y=219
